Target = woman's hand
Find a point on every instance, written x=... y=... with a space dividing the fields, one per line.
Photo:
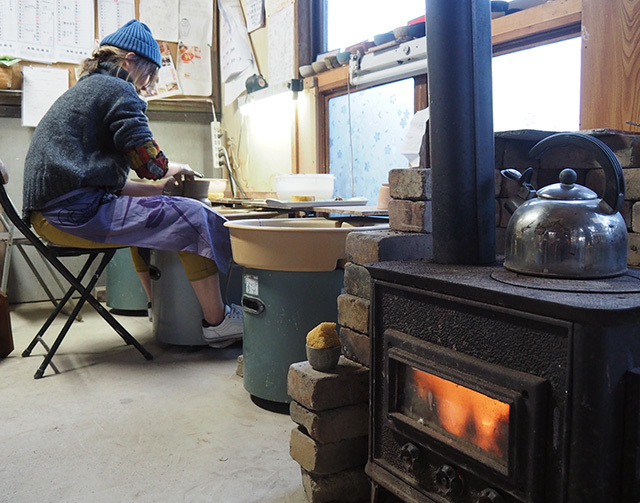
x=181 y=172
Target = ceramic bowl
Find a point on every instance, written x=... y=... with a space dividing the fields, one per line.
x=323 y=359
x=401 y=32
x=306 y=71
x=343 y=57
x=331 y=62
x=196 y=189
x=319 y=66
x=383 y=38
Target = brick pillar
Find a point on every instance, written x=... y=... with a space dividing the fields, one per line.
x=330 y=440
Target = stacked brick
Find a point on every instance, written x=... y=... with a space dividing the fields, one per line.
x=331 y=409
x=330 y=441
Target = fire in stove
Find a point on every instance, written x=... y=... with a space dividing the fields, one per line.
x=470 y=416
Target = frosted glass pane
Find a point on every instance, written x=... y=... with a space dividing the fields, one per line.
x=366 y=131
x=538 y=88
x=353 y=21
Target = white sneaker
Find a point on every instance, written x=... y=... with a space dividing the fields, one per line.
x=226 y=332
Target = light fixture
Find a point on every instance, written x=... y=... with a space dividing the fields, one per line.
x=379 y=67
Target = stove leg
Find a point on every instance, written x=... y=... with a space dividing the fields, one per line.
x=381 y=495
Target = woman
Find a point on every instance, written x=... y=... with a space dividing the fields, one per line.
x=76 y=191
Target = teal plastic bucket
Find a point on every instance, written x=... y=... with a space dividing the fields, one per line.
x=123 y=288
x=280 y=308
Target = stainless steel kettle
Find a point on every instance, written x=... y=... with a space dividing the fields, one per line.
x=564 y=230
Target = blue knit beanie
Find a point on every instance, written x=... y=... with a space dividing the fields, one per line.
x=135 y=37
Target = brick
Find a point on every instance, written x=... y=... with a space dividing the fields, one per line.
x=516 y=155
x=410 y=183
x=324 y=459
x=333 y=425
x=410 y=216
x=356 y=346
x=633 y=257
x=632 y=182
x=635 y=217
x=348 y=486
x=357 y=280
x=348 y=384
x=353 y=312
x=386 y=245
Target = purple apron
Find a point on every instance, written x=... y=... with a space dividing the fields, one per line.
x=156 y=222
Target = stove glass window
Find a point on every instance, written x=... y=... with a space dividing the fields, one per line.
x=454 y=410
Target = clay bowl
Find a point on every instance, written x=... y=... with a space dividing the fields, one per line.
x=195 y=189
x=306 y=71
x=319 y=66
x=323 y=359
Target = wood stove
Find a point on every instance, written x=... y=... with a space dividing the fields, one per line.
x=488 y=386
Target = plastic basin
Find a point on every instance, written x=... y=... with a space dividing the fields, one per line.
x=291 y=244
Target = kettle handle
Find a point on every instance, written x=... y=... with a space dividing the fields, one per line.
x=614 y=189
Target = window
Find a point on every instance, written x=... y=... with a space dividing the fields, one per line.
x=538 y=88
x=351 y=21
x=366 y=131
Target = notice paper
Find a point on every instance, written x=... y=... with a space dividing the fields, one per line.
x=254 y=12
x=160 y=16
x=75 y=35
x=168 y=83
x=196 y=22
x=194 y=69
x=8 y=28
x=112 y=14
x=41 y=87
x=47 y=31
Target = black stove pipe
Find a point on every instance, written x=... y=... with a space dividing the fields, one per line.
x=461 y=131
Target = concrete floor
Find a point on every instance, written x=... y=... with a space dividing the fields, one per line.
x=114 y=427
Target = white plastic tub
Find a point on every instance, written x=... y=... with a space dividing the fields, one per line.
x=319 y=186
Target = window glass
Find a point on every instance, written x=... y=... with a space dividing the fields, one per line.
x=538 y=88
x=366 y=132
x=353 y=21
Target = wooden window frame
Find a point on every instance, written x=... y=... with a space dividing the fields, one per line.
x=543 y=24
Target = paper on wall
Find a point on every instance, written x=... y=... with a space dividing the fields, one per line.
x=281 y=45
x=75 y=35
x=168 y=83
x=160 y=16
x=112 y=14
x=41 y=87
x=36 y=22
x=254 y=12
x=237 y=62
x=235 y=49
x=413 y=137
x=196 y=22
x=194 y=69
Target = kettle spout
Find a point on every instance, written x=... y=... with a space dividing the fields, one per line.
x=525 y=190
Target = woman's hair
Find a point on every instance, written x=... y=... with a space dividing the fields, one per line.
x=117 y=56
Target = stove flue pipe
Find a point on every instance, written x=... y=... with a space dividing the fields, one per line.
x=461 y=131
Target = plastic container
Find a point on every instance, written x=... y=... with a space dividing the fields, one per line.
x=217 y=187
x=318 y=185
x=291 y=244
x=279 y=310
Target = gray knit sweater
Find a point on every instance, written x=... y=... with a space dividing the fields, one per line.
x=81 y=140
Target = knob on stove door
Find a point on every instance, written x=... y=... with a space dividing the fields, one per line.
x=449 y=481
x=410 y=455
x=489 y=496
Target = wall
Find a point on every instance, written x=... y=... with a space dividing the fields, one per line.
x=273 y=138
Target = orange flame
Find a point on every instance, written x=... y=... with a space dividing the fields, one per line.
x=465 y=413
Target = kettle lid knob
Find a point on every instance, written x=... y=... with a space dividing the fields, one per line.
x=568 y=176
